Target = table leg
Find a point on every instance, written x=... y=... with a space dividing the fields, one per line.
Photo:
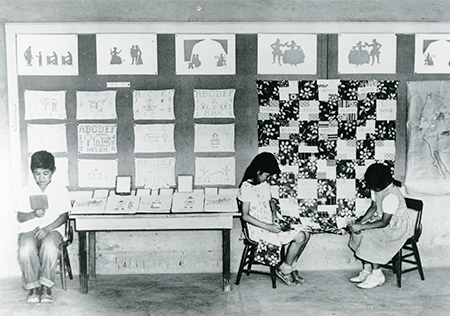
x=92 y=256
x=226 y=260
x=82 y=255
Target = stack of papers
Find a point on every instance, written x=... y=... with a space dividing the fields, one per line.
x=155 y=204
x=88 y=206
x=220 y=203
x=187 y=202
x=117 y=204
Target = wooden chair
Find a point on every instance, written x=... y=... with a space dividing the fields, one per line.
x=409 y=253
x=248 y=256
x=63 y=260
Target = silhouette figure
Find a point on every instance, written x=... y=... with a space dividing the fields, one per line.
x=52 y=59
x=67 y=60
x=294 y=55
x=115 y=58
x=276 y=51
x=133 y=54
x=28 y=56
x=138 y=56
x=358 y=55
x=375 y=52
x=39 y=56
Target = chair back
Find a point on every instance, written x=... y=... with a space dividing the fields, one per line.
x=417 y=206
x=243 y=223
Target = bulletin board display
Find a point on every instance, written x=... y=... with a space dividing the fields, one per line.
x=68 y=130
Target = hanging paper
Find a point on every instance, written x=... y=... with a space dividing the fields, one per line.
x=215 y=171
x=97 y=138
x=153 y=104
x=328 y=89
x=205 y=54
x=97 y=173
x=96 y=105
x=154 y=138
x=47 y=55
x=155 y=173
x=214 y=103
x=45 y=105
x=50 y=137
x=432 y=54
x=214 y=138
x=287 y=54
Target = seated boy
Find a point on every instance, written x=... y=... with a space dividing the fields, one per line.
x=41 y=230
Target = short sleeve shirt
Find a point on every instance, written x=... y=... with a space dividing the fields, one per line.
x=58 y=203
x=390 y=202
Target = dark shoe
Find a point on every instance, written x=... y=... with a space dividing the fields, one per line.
x=297 y=278
x=33 y=296
x=46 y=295
x=286 y=278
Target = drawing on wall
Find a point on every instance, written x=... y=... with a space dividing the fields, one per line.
x=432 y=53
x=153 y=104
x=155 y=173
x=45 y=105
x=324 y=142
x=428 y=132
x=97 y=173
x=214 y=138
x=49 y=137
x=205 y=54
x=97 y=138
x=367 y=53
x=154 y=138
x=127 y=54
x=287 y=54
x=96 y=105
x=214 y=103
x=47 y=55
x=215 y=171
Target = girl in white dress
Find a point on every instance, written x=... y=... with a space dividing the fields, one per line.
x=260 y=212
x=380 y=233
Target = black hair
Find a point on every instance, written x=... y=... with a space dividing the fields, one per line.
x=378 y=176
x=263 y=162
x=42 y=159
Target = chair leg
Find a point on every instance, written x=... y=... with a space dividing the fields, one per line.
x=273 y=276
x=250 y=257
x=62 y=268
x=67 y=264
x=398 y=267
x=418 y=262
x=242 y=264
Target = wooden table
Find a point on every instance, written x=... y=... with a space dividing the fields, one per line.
x=148 y=222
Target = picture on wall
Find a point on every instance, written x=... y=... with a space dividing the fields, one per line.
x=287 y=54
x=47 y=55
x=205 y=54
x=367 y=53
x=432 y=53
x=127 y=54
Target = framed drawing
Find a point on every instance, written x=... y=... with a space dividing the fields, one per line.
x=127 y=54
x=185 y=183
x=287 y=54
x=432 y=53
x=123 y=185
x=367 y=53
x=205 y=54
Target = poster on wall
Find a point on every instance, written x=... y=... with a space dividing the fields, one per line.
x=217 y=103
x=153 y=104
x=214 y=137
x=97 y=173
x=127 y=54
x=155 y=173
x=432 y=54
x=96 y=105
x=154 y=138
x=428 y=126
x=47 y=55
x=97 y=138
x=215 y=171
x=287 y=54
x=49 y=137
x=366 y=53
x=45 y=105
x=205 y=54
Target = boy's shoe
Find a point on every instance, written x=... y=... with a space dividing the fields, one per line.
x=286 y=278
x=371 y=282
x=361 y=277
x=33 y=296
x=46 y=295
x=297 y=278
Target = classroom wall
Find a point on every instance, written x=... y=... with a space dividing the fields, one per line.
x=172 y=252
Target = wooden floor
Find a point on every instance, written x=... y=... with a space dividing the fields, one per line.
x=325 y=293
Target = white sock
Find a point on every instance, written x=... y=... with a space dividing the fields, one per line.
x=377 y=273
x=285 y=268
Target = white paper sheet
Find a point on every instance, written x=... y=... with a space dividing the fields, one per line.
x=97 y=138
x=45 y=105
x=97 y=173
x=214 y=138
x=96 y=105
x=214 y=103
x=215 y=171
x=154 y=138
x=155 y=172
x=153 y=104
x=50 y=137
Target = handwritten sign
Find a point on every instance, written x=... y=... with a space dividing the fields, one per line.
x=214 y=103
x=153 y=104
x=155 y=172
x=96 y=105
x=97 y=138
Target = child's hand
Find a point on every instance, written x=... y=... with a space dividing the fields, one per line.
x=41 y=233
x=40 y=213
x=356 y=228
x=274 y=228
